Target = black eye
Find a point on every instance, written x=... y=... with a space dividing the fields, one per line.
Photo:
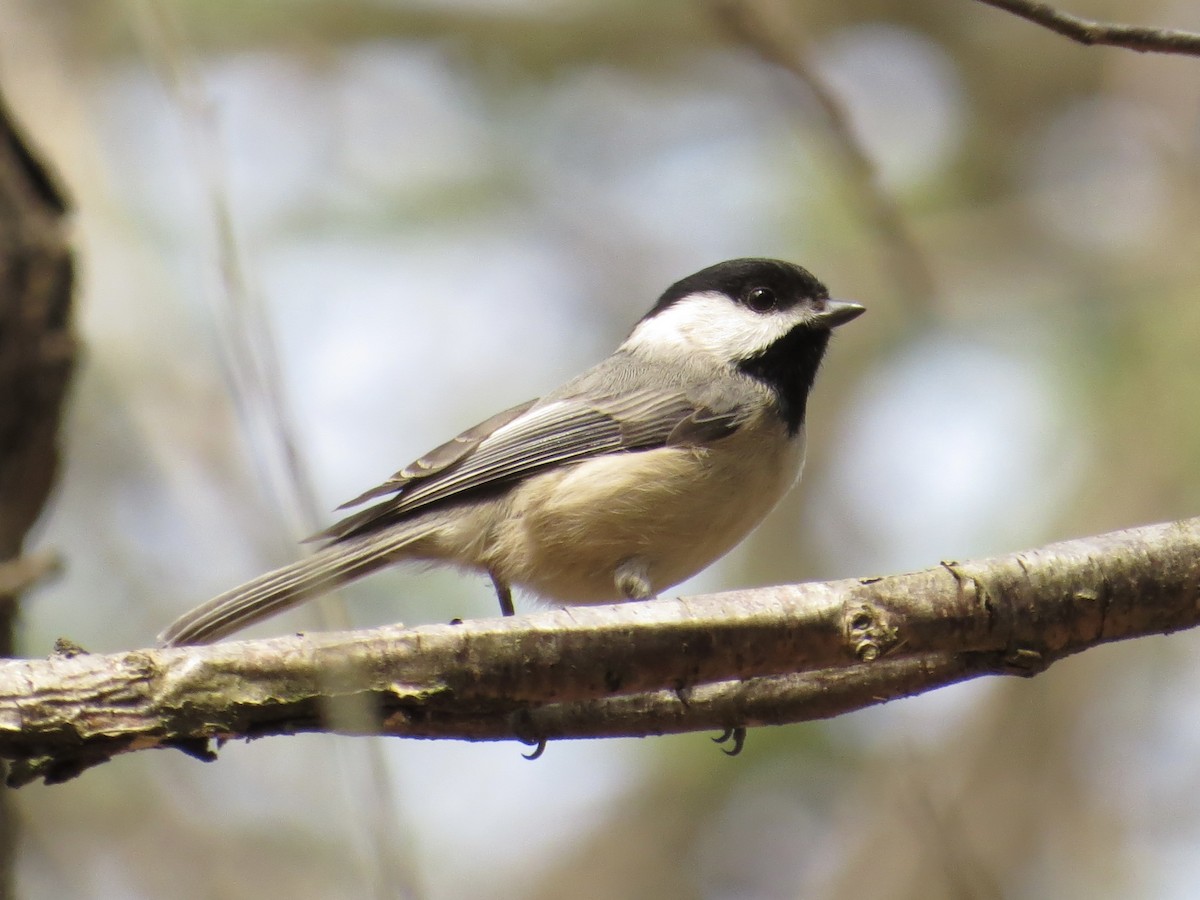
x=761 y=299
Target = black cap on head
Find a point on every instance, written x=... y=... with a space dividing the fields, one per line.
x=737 y=278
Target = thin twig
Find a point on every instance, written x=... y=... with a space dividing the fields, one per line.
x=1112 y=34
x=769 y=31
x=254 y=373
x=250 y=357
x=20 y=574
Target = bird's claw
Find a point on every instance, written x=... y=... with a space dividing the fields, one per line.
x=735 y=733
x=536 y=751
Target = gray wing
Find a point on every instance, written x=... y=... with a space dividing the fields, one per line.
x=537 y=435
x=442 y=457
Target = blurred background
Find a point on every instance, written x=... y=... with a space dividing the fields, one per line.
x=317 y=238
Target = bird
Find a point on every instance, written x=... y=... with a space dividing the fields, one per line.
x=629 y=478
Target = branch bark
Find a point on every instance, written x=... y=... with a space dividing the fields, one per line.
x=769 y=656
x=1091 y=32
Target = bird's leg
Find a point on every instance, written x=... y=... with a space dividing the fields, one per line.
x=633 y=581
x=503 y=594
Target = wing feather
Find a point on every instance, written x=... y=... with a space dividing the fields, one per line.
x=538 y=435
x=444 y=456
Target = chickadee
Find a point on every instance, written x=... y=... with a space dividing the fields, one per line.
x=626 y=480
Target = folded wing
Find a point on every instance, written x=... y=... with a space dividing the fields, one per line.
x=538 y=435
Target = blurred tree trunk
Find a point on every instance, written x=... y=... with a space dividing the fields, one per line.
x=36 y=356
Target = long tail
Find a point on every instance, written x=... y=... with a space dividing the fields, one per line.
x=276 y=591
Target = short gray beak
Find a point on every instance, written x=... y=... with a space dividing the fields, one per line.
x=838 y=312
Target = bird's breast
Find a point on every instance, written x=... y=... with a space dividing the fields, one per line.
x=676 y=509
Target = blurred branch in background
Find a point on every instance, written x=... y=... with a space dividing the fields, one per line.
x=769 y=30
x=245 y=337
x=255 y=383
x=1090 y=32
x=37 y=354
x=769 y=656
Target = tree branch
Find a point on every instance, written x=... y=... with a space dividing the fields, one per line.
x=1087 y=31
x=768 y=656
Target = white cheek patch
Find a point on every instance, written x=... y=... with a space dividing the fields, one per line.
x=710 y=322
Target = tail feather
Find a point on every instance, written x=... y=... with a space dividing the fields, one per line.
x=285 y=587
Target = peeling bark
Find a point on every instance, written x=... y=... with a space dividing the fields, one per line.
x=770 y=656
